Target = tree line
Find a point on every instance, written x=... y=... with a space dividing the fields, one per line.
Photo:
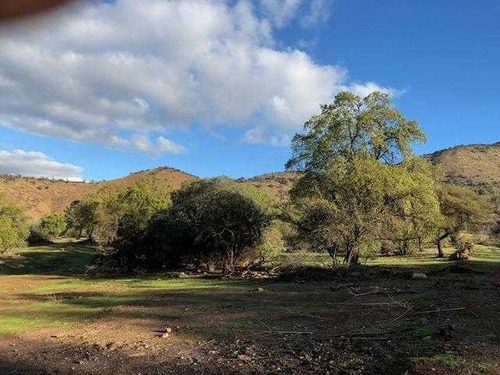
x=362 y=191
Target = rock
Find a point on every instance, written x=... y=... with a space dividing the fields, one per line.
x=419 y=276
x=244 y=358
x=182 y=275
x=165 y=335
x=260 y=290
x=168 y=330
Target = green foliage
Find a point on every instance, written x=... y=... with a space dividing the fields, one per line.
x=361 y=183
x=350 y=127
x=53 y=225
x=217 y=222
x=126 y=213
x=8 y=234
x=271 y=244
x=81 y=217
x=463 y=209
x=14 y=226
x=413 y=206
x=206 y=223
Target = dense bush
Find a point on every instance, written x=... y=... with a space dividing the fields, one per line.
x=52 y=226
x=208 y=223
x=14 y=226
x=81 y=217
x=122 y=215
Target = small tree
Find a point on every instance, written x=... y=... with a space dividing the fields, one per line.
x=462 y=209
x=14 y=225
x=53 y=225
x=81 y=217
x=208 y=222
x=124 y=214
x=9 y=236
x=215 y=222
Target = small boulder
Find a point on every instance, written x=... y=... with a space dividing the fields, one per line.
x=418 y=276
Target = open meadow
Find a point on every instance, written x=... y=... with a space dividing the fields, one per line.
x=56 y=320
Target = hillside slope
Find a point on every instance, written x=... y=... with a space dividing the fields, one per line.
x=476 y=166
x=42 y=196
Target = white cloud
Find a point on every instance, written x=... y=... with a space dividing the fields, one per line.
x=162 y=145
x=124 y=73
x=365 y=89
x=319 y=11
x=37 y=164
x=260 y=134
x=281 y=11
x=308 y=12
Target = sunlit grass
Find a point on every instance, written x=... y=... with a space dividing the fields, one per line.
x=42 y=299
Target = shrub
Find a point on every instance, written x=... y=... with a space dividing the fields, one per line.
x=207 y=223
x=8 y=234
x=52 y=226
x=271 y=244
x=14 y=226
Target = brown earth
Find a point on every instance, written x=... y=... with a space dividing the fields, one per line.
x=476 y=166
x=43 y=196
x=363 y=324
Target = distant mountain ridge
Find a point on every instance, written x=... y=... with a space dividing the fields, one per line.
x=476 y=166
x=41 y=196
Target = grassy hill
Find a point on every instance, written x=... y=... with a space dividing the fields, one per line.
x=43 y=196
x=476 y=166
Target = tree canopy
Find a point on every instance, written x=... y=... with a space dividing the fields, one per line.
x=14 y=225
x=361 y=181
x=353 y=126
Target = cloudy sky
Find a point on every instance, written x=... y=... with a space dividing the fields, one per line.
x=214 y=87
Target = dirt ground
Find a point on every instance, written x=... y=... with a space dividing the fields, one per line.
x=372 y=321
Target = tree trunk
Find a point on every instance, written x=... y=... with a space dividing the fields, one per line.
x=439 y=244
x=230 y=260
x=352 y=256
x=333 y=254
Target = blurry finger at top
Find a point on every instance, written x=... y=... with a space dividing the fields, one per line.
x=14 y=9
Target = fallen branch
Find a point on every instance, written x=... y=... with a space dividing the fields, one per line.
x=439 y=311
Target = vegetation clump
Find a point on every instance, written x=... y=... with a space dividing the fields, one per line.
x=14 y=226
x=361 y=182
x=207 y=223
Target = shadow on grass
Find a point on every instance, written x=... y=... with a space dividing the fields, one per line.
x=284 y=325
x=59 y=259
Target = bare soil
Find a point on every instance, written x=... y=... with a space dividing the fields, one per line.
x=363 y=323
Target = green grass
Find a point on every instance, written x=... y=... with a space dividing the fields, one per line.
x=45 y=286
x=448 y=361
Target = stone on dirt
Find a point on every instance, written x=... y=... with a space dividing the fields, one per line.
x=419 y=276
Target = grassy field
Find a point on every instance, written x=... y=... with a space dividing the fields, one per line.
x=55 y=320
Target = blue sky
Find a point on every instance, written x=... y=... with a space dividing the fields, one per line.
x=93 y=95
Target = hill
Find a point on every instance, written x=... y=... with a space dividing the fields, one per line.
x=475 y=166
x=43 y=196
